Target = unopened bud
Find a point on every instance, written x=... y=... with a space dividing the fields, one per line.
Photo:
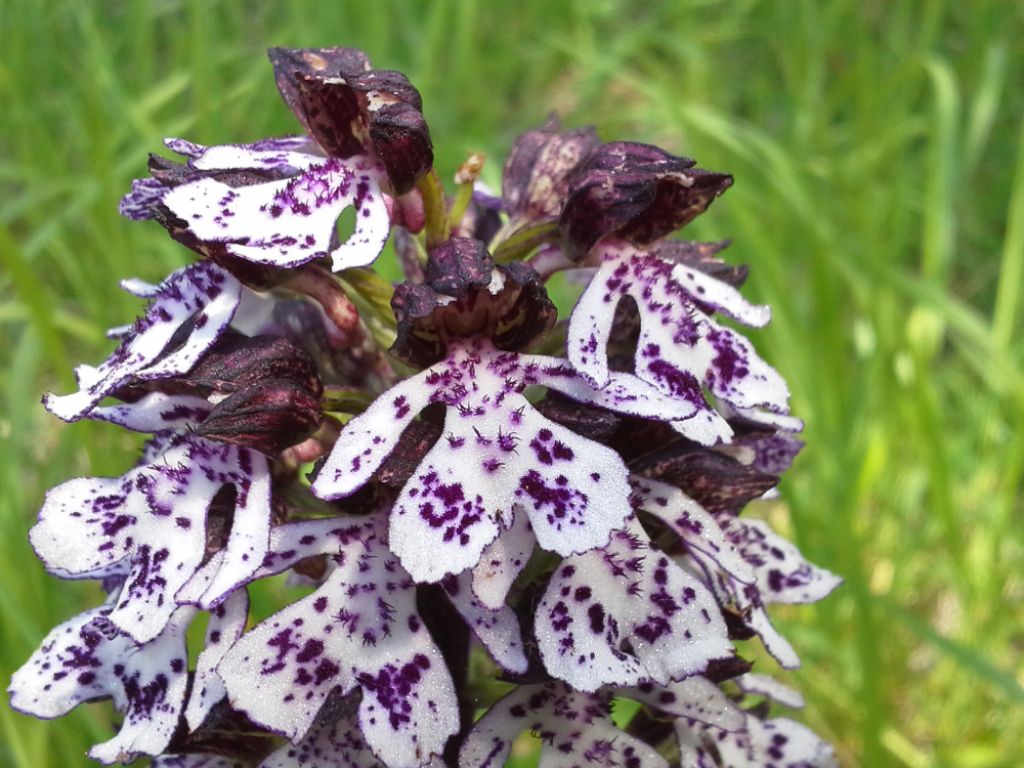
x=269 y=416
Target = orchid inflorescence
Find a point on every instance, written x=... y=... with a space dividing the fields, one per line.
x=502 y=521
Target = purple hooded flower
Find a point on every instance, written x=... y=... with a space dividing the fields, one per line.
x=276 y=202
x=634 y=192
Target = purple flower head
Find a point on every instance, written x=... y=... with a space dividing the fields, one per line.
x=459 y=483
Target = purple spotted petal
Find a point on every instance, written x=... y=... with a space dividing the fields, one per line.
x=693 y=524
x=286 y=155
x=154 y=518
x=502 y=561
x=497 y=454
x=288 y=222
x=87 y=658
x=745 y=600
x=360 y=629
x=726 y=571
x=779 y=742
x=145 y=194
x=196 y=760
x=203 y=290
x=227 y=622
x=783 y=575
x=696 y=698
x=621 y=392
x=497 y=629
x=575 y=729
x=155 y=412
x=680 y=349
x=331 y=744
x=624 y=613
x=370 y=438
x=769 y=687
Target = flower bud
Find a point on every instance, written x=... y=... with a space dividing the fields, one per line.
x=636 y=191
x=242 y=362
x=536 y=176
x=351 y=109
x=715 y=481
x=268 y=416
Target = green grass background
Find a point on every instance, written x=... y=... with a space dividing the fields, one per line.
x=879 y=161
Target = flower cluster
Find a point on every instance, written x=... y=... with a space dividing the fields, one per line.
x=478 y=504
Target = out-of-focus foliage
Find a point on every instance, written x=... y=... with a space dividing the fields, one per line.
x=879 y=161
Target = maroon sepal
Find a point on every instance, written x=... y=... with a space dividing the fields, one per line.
x=269 y=416
x=636 y=191
x=717 y=482
x=536 y=176
x=703 y=256
x=460 y=298
x=350 y=109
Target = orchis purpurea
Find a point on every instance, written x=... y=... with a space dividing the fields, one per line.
x=496 y=520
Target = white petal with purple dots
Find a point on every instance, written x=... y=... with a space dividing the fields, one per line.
x=783 y=575
x=360 y=629
x=625 y=613
x=779 y=742
x=680 y=349
x=496 y=628
x=227 y=622
x=575 y=729
x=202 y=294
x=88 y=658
x=288 y=222
x=154 y=518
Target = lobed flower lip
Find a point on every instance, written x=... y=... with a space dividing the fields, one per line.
x=626 y=613
x=152 y=523
x=359 y=629
x=87 y=658
x=497 y=457
x=680 y=349
x=577 y=729
x=637 y=192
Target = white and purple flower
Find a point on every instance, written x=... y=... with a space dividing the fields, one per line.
x=555 y=503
